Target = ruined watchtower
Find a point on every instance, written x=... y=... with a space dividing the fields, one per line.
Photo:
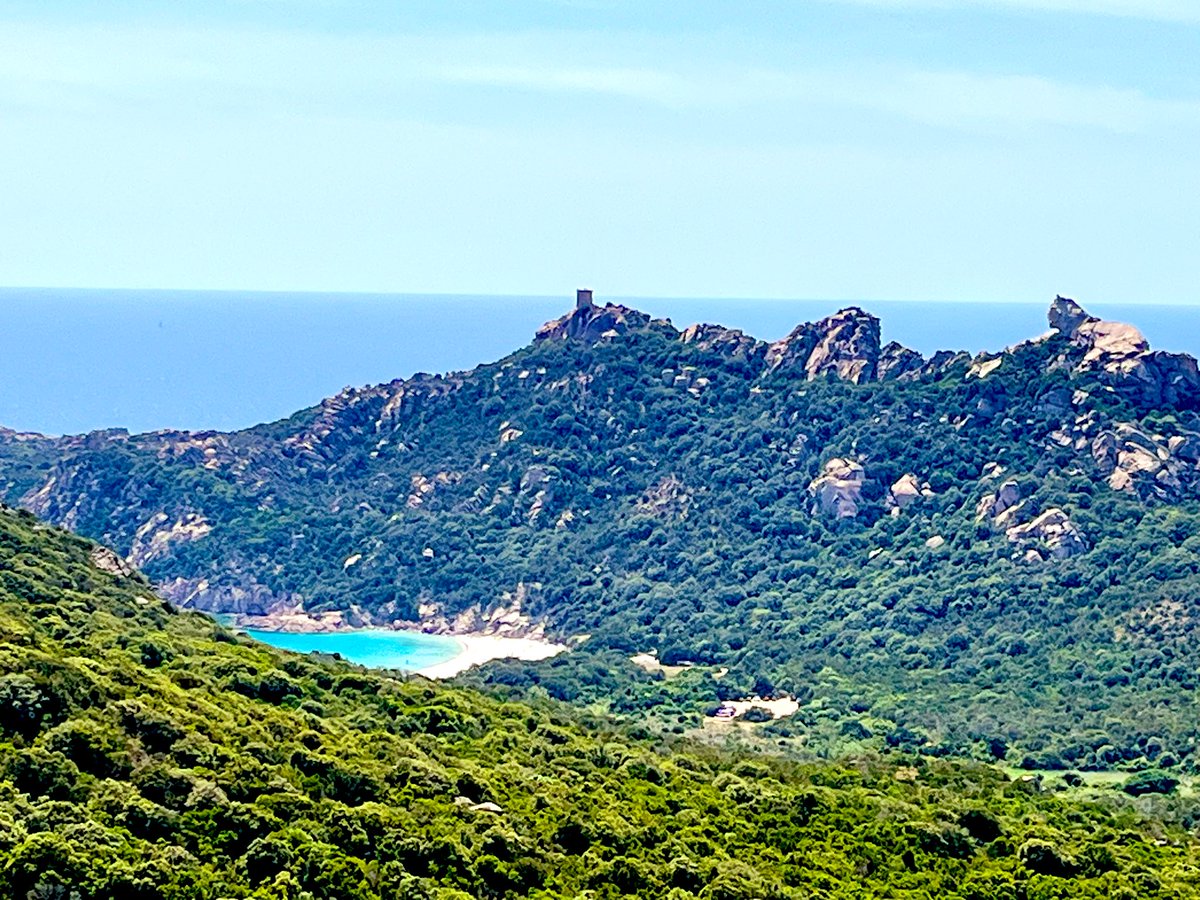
x=583 y=299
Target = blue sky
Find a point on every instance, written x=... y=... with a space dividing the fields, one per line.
x=906 y=149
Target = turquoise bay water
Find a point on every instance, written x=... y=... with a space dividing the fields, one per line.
x=378 y=648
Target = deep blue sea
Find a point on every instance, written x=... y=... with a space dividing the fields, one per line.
x=376 y=647
x=76 y=360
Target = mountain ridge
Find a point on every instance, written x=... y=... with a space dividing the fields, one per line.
x=813 y=505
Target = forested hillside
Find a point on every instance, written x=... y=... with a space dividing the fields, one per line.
x=147 y=753
x=993 y=556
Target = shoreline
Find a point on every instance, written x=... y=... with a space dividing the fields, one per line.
x=478 y=649
x=474 y=648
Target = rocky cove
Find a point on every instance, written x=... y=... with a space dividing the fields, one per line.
x=418 y=652
x=314 y=469
x=830 y=502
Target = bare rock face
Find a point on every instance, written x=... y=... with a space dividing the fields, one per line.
x=1108 y=342
x=504 y=617
x=107 y=561
x=536 y=486
x=896 y=360
x=1121 y=356
x=919 y=368
x=730 y=342
x=1051 y=534
x=1056 y=402
x=1066 y=315
x=1151 y=466
x=905 y=492
x=589 y=322
x=838 y=489
x=849 y=348
x=422 y=489
x=156 y=536
x=983 y=366
x=1000 y=506
x=1169 y=378
x=250 y=599
x=845 y=344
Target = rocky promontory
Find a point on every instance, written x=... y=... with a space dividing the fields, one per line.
x=369 y=504
x=1121 y=356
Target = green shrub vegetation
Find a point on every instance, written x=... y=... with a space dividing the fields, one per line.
x=147 y=753
x=653 y=494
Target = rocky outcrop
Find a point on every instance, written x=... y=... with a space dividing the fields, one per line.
x=899 y=363
x=1149 y=465
x=938 y=364
x=107 y=561
x=669 y=499
x=687 y=378
x=1120 y=355
x=1000 y=506
x=837 y=491
x=422 y=489
x=1109 y=343
x=388 y=407
x=157 y=535
x=297 y=619
x=505 y=618
x=729 y=342
x=1065 y=315
x=983 y=366
x=896 y=361
x=845 y=344
x=1051 y=535
x=246 y=599
x=1170 y=378
x=589 y=322
x=535 y=485
x=905 y=492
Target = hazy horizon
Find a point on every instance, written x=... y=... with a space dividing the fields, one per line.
x=913 y=149
x=80 y=360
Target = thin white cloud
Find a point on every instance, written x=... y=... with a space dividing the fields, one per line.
x=967 y=99
x=1185 y=11
x=646 y=85
x=678 y=88
x=377 y=76
x=944 y=99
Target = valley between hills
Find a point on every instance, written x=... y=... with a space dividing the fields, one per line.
x=966 y=585
x=992 y=556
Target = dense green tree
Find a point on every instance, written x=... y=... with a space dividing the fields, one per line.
x=180 y=777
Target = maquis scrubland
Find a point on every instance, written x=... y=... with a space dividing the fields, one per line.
x=148 y=753
x=951 y=564
x=990 y=556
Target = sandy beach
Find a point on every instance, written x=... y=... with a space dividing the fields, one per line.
x=478 y=649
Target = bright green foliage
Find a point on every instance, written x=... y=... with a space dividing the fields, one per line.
x=211 y=766
x=623 y=504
